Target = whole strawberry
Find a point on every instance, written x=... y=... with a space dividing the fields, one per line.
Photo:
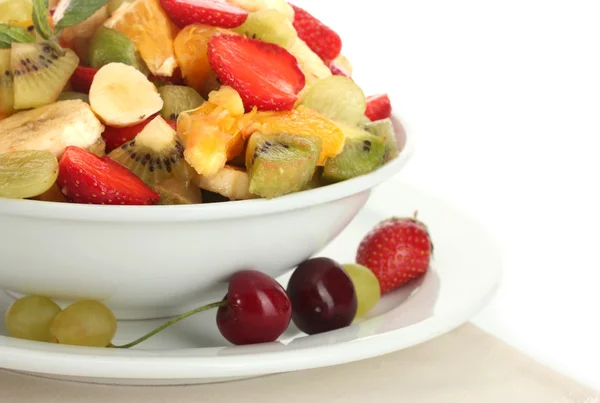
x=397 y=251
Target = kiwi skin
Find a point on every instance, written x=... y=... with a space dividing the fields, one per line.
x=281 y=164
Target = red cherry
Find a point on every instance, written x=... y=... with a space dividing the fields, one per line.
x=323 y=296
x=258 y=309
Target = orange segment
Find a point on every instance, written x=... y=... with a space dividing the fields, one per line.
x=303 y=122
x=191 y=52
x=147 y=25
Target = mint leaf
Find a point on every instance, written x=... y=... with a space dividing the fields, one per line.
x=10 y=35
x=78 y=11
x=40 y=18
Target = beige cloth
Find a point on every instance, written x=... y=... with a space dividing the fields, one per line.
x=465 y=366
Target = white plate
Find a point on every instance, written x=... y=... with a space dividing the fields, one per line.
x=465 y=273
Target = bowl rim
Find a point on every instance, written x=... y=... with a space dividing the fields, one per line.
x=214 y=211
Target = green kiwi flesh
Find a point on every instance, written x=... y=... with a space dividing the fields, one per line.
x=177 y=99
x=40 y=72
x=280 y=164
x=70 y=95
x=363 y=153
x=271 y=26
x=384 y=129
x=6 y=83
x=110 y=46
x=154 y=155
x=173 y=191
x=339 y=98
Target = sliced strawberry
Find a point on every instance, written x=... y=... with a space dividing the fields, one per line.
x=266 y=75
x=378 y=107
x=115 y=137
x=218 y=13
x=338 y=71
x=82 y=78
x=172 y=123
x=85 y=178
x=323 y=40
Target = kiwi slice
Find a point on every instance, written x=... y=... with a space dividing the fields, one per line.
x=363 y=153
x=173 y=191
x=6 y=83
x=269 y=25
x=26 y=174
x=98 y=148
x=339 y=98
x=40 y=72
x=279 y=164
x=110 y=46
x=70 y=95
x=177 y=99
x=384 y=129
x=155 y=154
x=316 y=181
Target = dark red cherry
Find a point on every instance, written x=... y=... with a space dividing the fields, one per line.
x=258 y=309
x=323 y=296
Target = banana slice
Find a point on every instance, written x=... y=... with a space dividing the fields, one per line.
x=122 y=96
x=52 y=128
x=230 y=182
x=311 y=65
x=258 y=5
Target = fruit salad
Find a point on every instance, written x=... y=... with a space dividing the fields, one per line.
x=145 y=102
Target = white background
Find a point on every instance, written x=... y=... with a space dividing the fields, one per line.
x=504 y=97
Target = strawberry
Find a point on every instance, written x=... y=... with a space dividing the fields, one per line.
x=338 y=71
x=264 y=74
x=115 y=137
x=82 y=78
x=324 y=41
x=85 y=178
x=378 y=107
x=397 y=251
x=218 y=13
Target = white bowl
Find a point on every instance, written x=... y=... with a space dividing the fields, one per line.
x=154 y=261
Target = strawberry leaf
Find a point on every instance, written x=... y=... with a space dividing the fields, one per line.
x=10 y=35
x=78 y=11
x=40 y=18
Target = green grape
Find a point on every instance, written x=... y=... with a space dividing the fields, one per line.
x=84 y=323
x=366 y=285
x=25 y=174
x=338 y=98
x=30 y=317
x=271 y=26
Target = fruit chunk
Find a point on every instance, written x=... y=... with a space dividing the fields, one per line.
x=84 y=323
x=338 y=98
x=29 y=318
x=269 y=26
x=230 y=182
x=71 y=95
x=324 y=41
x=40 y=73
x=6 y=84
x=52 y=128
x=191 y=51
x=82 y=79
x=341 y=66
x=384 y=129
x=86 y=178
x=367 y=287
x=217 y=13
x=177 y=99
x=265 y=75
x=258 y=5
x=211 y=133
x=52 y=195
x=145 y=22
x=323 y=296
x=25 y=174
x=113 y=5
x=115 y=137
x=378 y=107
x=311 y=65
x=397 y=251
x=15 y=11
x=303 y=122
x=363 y=153
x=110 y=46
x=122 y=96
x=176 y=192
x=281 y=164
x=154 y=155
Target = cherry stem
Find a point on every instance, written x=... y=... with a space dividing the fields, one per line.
x=172 y=322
